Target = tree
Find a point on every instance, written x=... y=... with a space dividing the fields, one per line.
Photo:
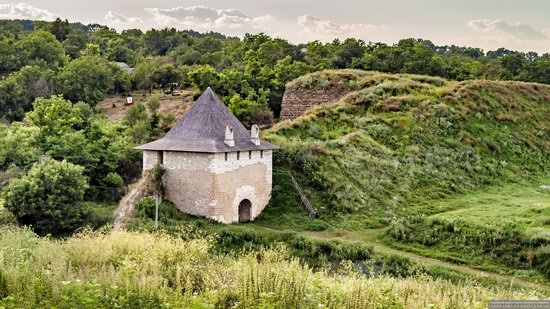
x=203 y=77
x=54 y=115
x=60 y=28
x=41 y=48
x=49 y=197
x=87 y=79
x=8 y=57
x=137 y=122
x=346 y=52
x=153 y=104
x=144 y=75
x=74 y=44
x=19 y=90
x=165 y=76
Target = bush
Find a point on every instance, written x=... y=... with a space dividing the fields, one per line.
x=49 y=197
x=97 y=215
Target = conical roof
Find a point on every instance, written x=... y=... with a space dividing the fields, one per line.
x=202 y=129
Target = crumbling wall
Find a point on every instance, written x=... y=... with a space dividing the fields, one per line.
x=297 y=100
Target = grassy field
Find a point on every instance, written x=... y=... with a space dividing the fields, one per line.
x=526 y=207
x=501 y=229
x=399 y=141
x=454 y=169
x=154 y=270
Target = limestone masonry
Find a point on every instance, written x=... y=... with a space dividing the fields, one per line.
x=298 y=100
x=214 y=167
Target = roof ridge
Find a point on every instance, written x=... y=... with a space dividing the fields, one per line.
x=207 y=119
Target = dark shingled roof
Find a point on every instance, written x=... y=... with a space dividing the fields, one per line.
x=202 y=129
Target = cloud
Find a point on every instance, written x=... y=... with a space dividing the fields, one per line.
x=206 y=18
x=119 y=19
x=519 y=30
x=324 y=27
x=24 y=11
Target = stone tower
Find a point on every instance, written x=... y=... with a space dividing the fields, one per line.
x=215 y=167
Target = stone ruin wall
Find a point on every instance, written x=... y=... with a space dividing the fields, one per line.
x=298 y=100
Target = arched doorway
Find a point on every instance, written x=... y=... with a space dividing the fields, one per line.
x=244 y=211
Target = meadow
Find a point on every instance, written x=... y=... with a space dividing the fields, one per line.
x=503 y=229
x=119 y=269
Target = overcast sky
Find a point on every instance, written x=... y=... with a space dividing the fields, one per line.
x=489 y=24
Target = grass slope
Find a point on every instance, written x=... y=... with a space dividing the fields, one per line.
x=416 y=153
x=397 y=141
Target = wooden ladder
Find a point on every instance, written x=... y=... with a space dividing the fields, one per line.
x=307 y=204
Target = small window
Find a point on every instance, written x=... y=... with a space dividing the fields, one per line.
x=250 y=154
x=261 y=153
x=160 y=157
x=238 y=155
x=226 y=156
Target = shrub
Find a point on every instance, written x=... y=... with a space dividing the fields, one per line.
x=49 y=197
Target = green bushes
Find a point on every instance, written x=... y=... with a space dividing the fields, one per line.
x=49 y=198
x=503 y=244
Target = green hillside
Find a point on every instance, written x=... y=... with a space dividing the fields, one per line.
x=401 y=140
x=400 y=149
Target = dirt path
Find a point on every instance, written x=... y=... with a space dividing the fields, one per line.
x=371 y=237
x=114 y=108
x=126 y=205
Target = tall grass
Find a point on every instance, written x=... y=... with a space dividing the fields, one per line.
x=130 y=270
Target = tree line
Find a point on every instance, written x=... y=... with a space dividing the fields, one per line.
x=38 y=59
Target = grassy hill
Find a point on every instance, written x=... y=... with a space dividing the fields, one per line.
x=400 y=140
x=398 y=149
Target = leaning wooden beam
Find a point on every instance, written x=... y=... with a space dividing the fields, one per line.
x=307 y=204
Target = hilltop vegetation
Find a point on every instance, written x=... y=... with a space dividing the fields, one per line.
x=38 y=59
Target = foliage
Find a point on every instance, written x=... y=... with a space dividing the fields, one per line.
x=63 y=131
x=167 y=59
x=42 y=49
x=87 y=79
x=49 y=197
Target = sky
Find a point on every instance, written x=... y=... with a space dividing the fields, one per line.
x=488 y=24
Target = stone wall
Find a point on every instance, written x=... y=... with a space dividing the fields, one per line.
x=150 y=159
x=208 y=185
x=298 y=100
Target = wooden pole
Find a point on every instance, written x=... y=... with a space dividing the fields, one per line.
x=157 y=210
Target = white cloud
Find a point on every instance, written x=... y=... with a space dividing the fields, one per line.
x=205 y=18
x=24 y=11
x=329 y=29
x=519 y=30
x=120 y=19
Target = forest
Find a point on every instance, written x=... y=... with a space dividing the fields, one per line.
x=38 y=59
